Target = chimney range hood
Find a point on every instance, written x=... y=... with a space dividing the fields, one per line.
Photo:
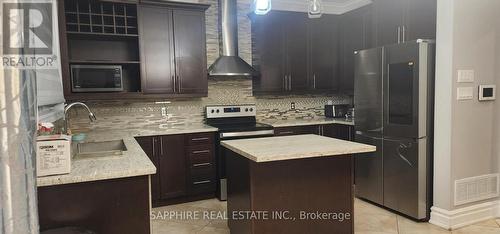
x=228 y=63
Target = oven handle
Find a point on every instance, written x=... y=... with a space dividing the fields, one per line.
x=226 y=135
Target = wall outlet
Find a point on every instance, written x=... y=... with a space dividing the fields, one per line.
x=292 y=106
x=164 y=112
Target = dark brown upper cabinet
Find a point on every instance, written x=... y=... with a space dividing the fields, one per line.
x=280 y=52
x=355 y=35
x=268 y=52
x=173 y=49
x=160 y=45
x=283 y=44
x=404 y=20
x=323 y=43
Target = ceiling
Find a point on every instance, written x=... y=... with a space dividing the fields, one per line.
x=329 y=6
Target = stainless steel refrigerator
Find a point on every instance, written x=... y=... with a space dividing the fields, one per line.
x=394 y=101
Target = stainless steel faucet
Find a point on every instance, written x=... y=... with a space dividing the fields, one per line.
x=69 y=106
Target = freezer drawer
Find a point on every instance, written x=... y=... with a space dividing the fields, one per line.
x=369 y=170
x=406 y=175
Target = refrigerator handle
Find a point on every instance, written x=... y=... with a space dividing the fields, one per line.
x=399 y=34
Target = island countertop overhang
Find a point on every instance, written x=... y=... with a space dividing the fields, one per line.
x=271 y=149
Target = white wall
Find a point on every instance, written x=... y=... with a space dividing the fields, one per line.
x=467 y=132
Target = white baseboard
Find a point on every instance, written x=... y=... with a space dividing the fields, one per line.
x=458 y=218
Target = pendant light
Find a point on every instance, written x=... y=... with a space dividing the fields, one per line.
x=315 y=9
x=262 y=7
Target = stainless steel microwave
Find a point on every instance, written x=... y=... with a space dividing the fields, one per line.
x=96 y=78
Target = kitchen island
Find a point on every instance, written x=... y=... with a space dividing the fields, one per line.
x=291 y=184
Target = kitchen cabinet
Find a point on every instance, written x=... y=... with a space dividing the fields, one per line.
x=339 y=131
x=160 y=45
x=296 y=130
x=406 y=20
x=185 y=167
x=280 y=52
x=111 y=206
x=323 y=44
x=296 y=51
x=173 y=49
x=268 y=52
x=172 y=162
x=355 y=35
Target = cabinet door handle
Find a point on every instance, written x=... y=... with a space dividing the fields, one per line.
x=284 y=82
x=404 y=33
x=399 y=34
x=201 y=164
x=200 y=139
x=161 y=147
x=290 y=82
x=202 y=182
x=201 y=151
x=314 y=81
x=173 y=81
x=153 y=146
x=178 y=84
x=285 y=133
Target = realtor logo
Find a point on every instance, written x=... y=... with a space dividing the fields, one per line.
x=27 y=40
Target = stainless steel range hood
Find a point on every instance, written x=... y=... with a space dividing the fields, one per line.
x=229 y=64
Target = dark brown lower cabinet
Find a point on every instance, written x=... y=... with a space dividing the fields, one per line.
x=114 y=206
x=172 y=165
x=339 y=131
x=296 y=130
x=185 y=166
x=314 y=185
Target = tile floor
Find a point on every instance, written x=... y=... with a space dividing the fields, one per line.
x=369 y=219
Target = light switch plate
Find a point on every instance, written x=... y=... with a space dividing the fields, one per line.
x=465 y=76
x=465 y=93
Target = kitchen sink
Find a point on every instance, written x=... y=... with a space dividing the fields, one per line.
x=101 y=149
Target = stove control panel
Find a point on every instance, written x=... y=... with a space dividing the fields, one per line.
x=231 y=111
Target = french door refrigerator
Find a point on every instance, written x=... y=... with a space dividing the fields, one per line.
x=394 y=101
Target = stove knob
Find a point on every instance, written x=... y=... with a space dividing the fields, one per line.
x=213 y=111
x=217 y=111
x=246 y=109
x=251 y=109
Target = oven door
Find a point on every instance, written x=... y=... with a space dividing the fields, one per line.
x=96 y=78
x=221 y=157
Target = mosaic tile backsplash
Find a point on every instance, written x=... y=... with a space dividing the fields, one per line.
x=113 y=115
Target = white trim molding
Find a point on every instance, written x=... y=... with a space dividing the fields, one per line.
x=334 y=8
x=453 y=219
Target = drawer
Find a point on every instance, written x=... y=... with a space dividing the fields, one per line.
x=203 y=183
x=200 y=139
x=296 y=130
x=201 y=154
x=202 y=171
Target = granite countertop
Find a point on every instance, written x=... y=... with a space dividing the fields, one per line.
x=304 y=122
x=133 y=162
x=294 y=147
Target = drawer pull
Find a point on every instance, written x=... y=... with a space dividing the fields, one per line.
x=201 y=151
x=202 y=182
x=283 y=133
x=201 y=164
x=200 y=139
